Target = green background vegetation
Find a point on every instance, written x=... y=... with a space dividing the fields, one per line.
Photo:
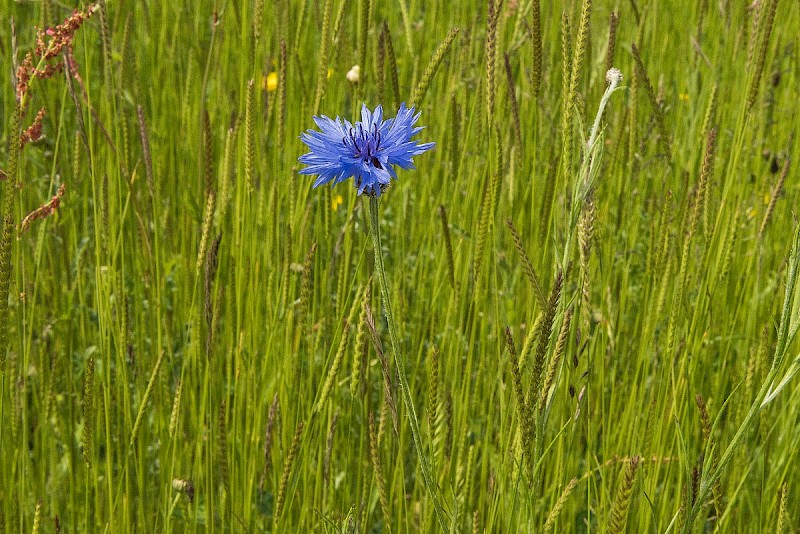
x=188 y=344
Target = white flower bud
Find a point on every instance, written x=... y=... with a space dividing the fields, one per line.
x=354 y=74
x=614 y=76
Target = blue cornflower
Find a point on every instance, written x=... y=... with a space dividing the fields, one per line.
x=367 y=150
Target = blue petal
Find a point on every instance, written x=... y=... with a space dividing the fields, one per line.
x=381 y=145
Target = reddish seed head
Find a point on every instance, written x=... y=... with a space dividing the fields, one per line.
x=24 y=73
x=44 y=210
x=34 y=131
x=63 y=34
x=50 y=43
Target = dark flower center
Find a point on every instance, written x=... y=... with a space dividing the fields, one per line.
x=364 y=144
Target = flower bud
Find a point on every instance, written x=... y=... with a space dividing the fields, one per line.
x=614 y=76
x=354 y=74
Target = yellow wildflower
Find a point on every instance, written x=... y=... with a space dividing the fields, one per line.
x=336 y=202
x=271 y=81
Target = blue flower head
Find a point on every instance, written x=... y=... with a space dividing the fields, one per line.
x=367 y=150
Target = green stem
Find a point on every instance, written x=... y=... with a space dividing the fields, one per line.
x=433 y=489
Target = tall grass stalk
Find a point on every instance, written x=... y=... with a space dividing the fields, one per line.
x=408 y=400
x=768 y=391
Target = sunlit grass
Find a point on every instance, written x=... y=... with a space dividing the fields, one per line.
x=590 y=317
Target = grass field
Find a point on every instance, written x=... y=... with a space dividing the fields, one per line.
x=596 y=310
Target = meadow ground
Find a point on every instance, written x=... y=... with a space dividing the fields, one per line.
x=596 y=309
